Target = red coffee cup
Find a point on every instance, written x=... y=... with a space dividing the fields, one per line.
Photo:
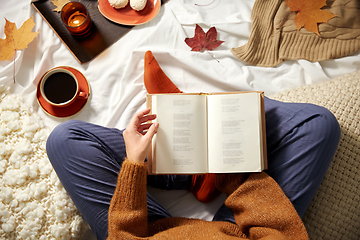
x=60 y=87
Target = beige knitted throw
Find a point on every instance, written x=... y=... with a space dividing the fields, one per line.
x=334 y=212
x=274 y=37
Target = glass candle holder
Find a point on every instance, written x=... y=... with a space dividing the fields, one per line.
x=76 y=18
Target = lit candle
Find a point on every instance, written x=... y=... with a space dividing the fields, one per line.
x=76 y=19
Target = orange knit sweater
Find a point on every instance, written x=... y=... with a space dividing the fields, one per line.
x=261 y=209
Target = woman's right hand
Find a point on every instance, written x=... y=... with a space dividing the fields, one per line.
x=138 y=135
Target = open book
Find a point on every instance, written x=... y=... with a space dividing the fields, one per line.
x=208 y=133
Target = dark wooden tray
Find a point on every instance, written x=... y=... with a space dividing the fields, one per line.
x=103 y=33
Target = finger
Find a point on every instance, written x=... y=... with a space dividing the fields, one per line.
x=151 y=131
x=143 y=127
x=146 y=111
x=136 y=119
x=147 y=118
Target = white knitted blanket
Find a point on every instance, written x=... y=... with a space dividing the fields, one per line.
x=33 y=203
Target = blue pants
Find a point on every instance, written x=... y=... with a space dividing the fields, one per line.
x=301 y=142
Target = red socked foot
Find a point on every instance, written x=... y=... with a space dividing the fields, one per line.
x=155 y=79
x=203 y=187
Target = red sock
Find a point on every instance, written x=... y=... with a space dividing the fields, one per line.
x=203 y=187
x=155 y=80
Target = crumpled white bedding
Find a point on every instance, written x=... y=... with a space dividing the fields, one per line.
x=116 y=76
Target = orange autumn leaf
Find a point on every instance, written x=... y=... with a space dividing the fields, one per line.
x=16 y=39
x=59 y=4
x=309 y=13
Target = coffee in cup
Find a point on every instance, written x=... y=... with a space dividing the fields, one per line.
x=59 y=87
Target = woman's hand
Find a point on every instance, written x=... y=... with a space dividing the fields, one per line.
x=138 y=135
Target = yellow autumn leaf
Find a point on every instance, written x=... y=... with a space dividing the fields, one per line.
x=16 y=39
x=59 y=4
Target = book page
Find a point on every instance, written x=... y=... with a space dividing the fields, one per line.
x=234 y=133
x=181 y=145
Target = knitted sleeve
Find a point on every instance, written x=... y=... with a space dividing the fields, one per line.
x=262 y=210
x=128 y=207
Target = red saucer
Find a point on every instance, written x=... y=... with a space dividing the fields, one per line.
x=73 y=108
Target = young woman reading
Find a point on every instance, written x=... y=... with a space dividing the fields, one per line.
x=104 y=173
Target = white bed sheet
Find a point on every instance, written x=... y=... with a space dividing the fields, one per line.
x=116 y=76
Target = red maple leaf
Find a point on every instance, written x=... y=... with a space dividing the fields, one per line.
x=203 y=41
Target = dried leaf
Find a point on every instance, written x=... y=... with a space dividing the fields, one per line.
x=16 y=39
x=59 y=4
x=309 y=13
x=202 y=41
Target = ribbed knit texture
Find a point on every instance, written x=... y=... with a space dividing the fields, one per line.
x=261 y=209
x=155 y=80
x=127 y=203
x=274 y=37
x=334 y=211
